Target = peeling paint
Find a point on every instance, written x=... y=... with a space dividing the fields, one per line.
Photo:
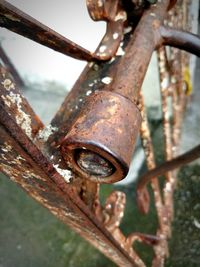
x=46 y=132
x=121 y=16
x=8 y=84
x=100 y=3
x=91 y=64
x=7 y=148
x=66 y=174
x=115 y=35
x=102 y=48
x=12 y=17
x=127 y=30
x=112 y=60
x=22 y=119
x=120 y=52
x=106 y=80
x=88 y=92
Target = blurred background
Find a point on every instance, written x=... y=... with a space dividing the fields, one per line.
x=29 y=235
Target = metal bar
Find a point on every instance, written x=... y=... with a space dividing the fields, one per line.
x=167 y=166
x=11 y=67
x=82 y=145
x=164 y=88
x=97 y=76
x=17 y=106
x=150 y=161
x=137 y=54
x=21 y=169
x=181 y=39
x=23 y=24
x=167 y=129
x=143 y=199
x=177 y=96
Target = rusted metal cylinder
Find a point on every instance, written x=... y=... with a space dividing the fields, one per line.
x=100 y=144
x=101 y=141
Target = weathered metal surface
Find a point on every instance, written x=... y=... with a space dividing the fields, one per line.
x=23 y=24
x=76 y=139
x=58 y=176
x=165 y=83
x=181 y=39
x=170 y=165
x=107 y=126
x=17 y=106
x=171 y=84
x=177 y=94
x=15 y=163
x=11 y=68
x=30 y=153
x=143 y=198
x=95 y=76
x=115 y=17
x=98 y=76
x=22 y=161
x=111 y=216
x=172 y=4
x=145 y=39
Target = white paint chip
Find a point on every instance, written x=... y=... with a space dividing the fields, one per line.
x=100 y=3
x=102 y=48
x=8 y=84
x=168 y=187
x=88 y=92
x=91 y=64
x=127 y=30
x=66 y=174
x=107 y=80
x=121 y=16
x=120 y=52
x=115 y=35
x=22 y=119
x=46 y=132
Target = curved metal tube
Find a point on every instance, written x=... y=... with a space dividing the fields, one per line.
x=181 y=39
x=167 y=166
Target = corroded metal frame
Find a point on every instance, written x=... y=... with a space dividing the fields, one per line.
x=30 y=152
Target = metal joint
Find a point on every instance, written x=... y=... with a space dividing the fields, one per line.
x=100 y=144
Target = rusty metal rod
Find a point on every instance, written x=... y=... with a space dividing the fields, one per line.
x=167 y=166
x=19 y=22
x=11 y=67
x=115 y=113
x=181 y=39
x=137 y=55
x=91 y=75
